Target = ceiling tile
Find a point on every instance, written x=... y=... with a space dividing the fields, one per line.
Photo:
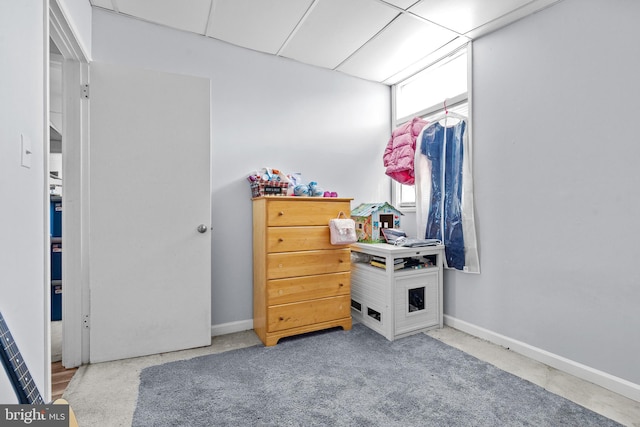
x=405 y=41
x=106 y=4
x=513 y=16
x=256 y=24
x=402 y=4
x=188 y=15
x=335 y=29
x=463 y=16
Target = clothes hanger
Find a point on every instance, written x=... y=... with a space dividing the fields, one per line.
x=443 y=118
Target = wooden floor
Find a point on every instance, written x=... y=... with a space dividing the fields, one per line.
x=60 y=378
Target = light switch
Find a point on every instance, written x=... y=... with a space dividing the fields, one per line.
x=26 y=153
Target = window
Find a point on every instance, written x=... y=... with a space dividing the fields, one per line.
x=424 y=95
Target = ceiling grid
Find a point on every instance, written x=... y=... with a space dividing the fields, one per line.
x=379 y=40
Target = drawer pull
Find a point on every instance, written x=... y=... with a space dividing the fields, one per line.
x=280 y=240
x=281 y=213
x=340 y=284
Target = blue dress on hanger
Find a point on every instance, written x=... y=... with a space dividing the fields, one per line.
x=445 y=149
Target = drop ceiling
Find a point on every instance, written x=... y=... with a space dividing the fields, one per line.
x=379 y=40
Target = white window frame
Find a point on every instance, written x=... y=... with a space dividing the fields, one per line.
x=451 y=103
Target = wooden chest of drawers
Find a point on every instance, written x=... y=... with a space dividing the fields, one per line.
x=301 y=283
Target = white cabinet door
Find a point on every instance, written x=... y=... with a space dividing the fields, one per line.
x=149 y=187
x=416 y=301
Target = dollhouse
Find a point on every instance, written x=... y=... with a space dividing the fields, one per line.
x=370 y=218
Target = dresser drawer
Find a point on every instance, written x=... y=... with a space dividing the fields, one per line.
x=287 y=316
x=304 y=212
x=295 y=289
x=307 y=263
x=288 y=239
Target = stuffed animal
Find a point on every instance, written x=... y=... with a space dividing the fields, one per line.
x=301 y=190
x=314 y=190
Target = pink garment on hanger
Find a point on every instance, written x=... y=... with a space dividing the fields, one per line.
x=400 y=152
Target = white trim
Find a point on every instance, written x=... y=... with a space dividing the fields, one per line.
x=63 y=35
x=603 y=379
x=470 y=98
x=394 y=189
x=46 y=395
x=231 y=327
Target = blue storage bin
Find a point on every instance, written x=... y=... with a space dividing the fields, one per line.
x=56 y=261
x=56 y=301
x=55 y=214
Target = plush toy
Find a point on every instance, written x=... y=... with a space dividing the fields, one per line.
x=314 y=190
x=301 y=190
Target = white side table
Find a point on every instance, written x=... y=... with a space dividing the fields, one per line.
x=397 y=291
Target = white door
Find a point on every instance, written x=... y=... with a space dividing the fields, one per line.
x=149 y=192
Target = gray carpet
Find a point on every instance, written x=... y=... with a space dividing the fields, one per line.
x=348 y=378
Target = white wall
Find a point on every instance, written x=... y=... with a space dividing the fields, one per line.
x=266 y=111
x=556 y=179
x=23 y=191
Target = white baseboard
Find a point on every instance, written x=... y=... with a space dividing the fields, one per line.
x=610 y=382
x=231 y=327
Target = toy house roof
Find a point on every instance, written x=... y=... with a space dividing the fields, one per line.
x=366 y=209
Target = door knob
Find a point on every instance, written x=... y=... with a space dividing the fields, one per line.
x=202 y=228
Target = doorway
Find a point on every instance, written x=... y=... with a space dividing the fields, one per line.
x=60 y=376
x=55 y=198
x=386 y=221
x=69 y=115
